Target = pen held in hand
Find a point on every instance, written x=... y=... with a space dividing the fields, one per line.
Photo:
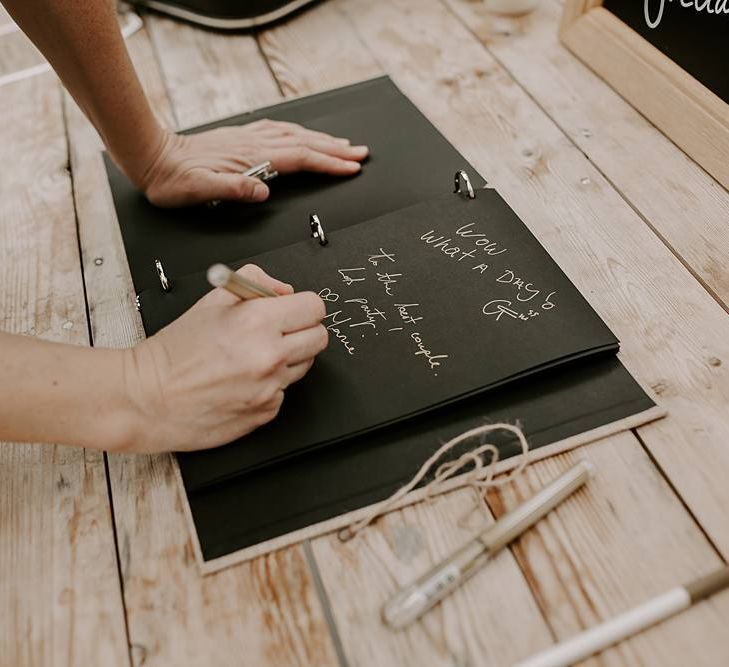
x=220 y=275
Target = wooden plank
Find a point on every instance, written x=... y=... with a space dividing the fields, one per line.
x=493 y=620
x=210 y=75
x=477 y=106
x=681 y=202
x=266 y=613
x=59 y=583
x=617 y=544
x=17 y=53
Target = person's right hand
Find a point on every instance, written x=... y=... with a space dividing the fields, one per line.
x=220 y=370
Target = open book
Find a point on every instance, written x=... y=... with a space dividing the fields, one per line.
x=443 y=311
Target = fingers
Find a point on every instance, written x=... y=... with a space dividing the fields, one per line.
x=294 y=373
x=259 y=276
x=292 y=148
x=293 y=312
x=303 y=158
x=304 y=345
x=229 y=186
x=274 y=129
x=221 y=297
x=326 y=145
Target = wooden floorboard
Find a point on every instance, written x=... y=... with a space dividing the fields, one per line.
x=60 y=600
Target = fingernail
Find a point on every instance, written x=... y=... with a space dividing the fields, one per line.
x=260 y=192
x=354 y=166
x=361 y=150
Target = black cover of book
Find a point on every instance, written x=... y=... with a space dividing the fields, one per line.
x=504 y=335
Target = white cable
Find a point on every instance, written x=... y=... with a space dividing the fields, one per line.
x=132 y=23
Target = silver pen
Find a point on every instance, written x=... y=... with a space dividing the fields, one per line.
x=414 y=600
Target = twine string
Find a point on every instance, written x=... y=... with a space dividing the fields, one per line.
x=480 y=477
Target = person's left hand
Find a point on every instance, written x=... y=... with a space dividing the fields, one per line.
x=196 y=168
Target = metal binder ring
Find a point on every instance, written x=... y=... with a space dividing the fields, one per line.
x=460 y=178
x=317 y=231
x=166 y=285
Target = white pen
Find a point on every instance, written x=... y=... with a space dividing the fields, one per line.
x=413 y=601
x=621 y=627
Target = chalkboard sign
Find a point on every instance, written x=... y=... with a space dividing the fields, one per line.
x=692 y=37
x=668 y=58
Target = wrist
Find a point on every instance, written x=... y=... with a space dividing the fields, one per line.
x=141 y=401
x=140 y=159
x=120 y=420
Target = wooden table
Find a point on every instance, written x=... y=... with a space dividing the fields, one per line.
x=96 y=563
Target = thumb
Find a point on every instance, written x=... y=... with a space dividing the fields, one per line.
x=226 y=186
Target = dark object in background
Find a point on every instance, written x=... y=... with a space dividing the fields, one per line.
x=695 y=40
x=226 y=14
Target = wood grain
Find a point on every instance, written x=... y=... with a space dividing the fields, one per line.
x=60 y=600
x=266 y=613
x=210 y=75
x=596 y=556
x=17 y=53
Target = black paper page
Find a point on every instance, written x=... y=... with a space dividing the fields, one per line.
x=410 y=162
x=425 y=306
x=310 y=488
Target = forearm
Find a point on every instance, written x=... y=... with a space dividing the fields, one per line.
x=82 y=42
x=63 y=394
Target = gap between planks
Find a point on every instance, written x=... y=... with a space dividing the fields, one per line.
x=90 y=334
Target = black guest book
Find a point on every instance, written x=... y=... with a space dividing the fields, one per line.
x=444 y=312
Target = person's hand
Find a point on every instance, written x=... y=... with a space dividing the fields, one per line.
x=196 y=168
x=220 y=370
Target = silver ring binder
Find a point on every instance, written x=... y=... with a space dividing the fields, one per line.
x=264 y=172
x=317 y=231
x=166 y=284
x=461 y=177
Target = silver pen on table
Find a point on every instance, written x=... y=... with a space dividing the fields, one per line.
x=414 y=600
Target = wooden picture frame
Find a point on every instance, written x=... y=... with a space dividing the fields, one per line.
x=686 y=111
